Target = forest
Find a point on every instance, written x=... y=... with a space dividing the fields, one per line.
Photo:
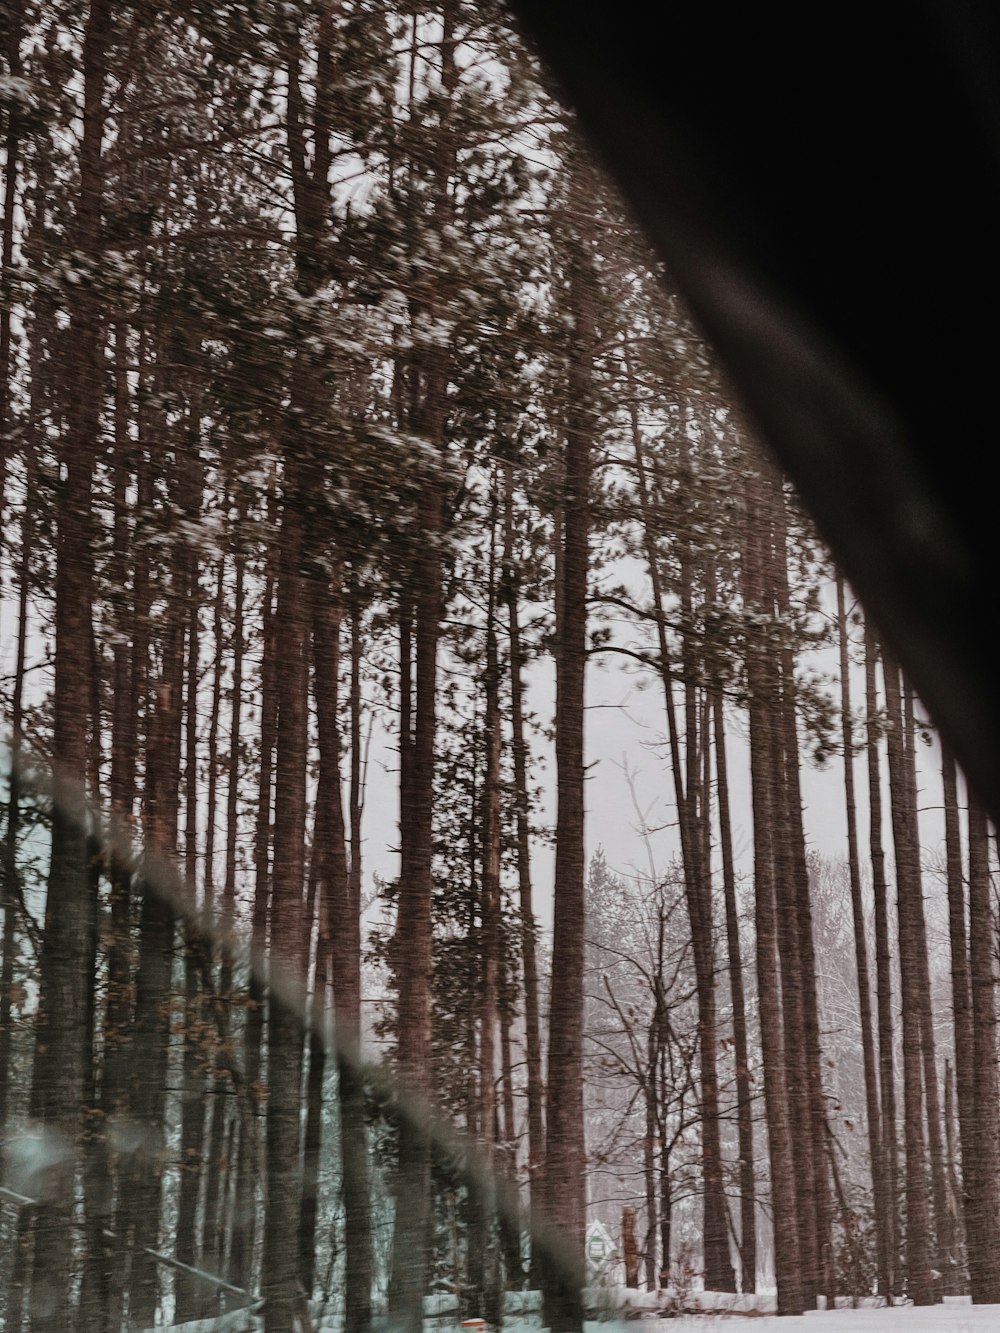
x=349 y=432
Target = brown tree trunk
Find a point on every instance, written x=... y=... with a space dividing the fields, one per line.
x=786 y=889
x=245 y=1212
x=490 y=946
x=519 y=747
x=280 y=1283
x=357 y=777
x=983 y=1220
x=882 y=1232
x=883 y=964
x=564 y=1139
x=630 y=1251
x=58 y=1084
x=212 y=757
x=822 y=1238
x=772 y=1029
x=510 y=1222
x=216 y=1173
x=105 y=1280
x=413 y=936
x=141 y=1188
x=315 y=1049
x=919 y=1280
x=961 y=999
x=340 y=909
x=719 y=1274
x=953 y=1159
x=345 y=925
x=13 y=27
x=187 y=1290
x=12 y=900
x=413 y=952
x=649 y=1175
x=744 y=1106
x=15 y=1277
x=943 y=1256
x=153 y=1003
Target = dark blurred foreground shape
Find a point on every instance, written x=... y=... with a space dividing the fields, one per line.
x=826 y=189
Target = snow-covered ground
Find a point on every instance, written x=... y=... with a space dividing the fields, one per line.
x=907 y=1319
x=956 y=1316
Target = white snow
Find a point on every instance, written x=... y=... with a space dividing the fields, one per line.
x=719 y=1312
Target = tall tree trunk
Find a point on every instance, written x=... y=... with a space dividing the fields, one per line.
x=649 y=1176
x=13 y=27
x=883 y=964
x=245 y=1211
x=345 y=928
x=141 y=1192
x=861 y=959
x=58 y=1084
x=953 y=1159
x=772 y=1028
x=719 y=1274
x=812 y=1055
x=786 y=888
x=413 y=935
x=187 y=1289
x=510 y=1217
x=281 y=1285
x=315 y=1048
x=341 y=912
x=413 y=952
x=983 y=1187
x=153 y=1003
x=490 y=945
x=216 y=1172
x=744 y=1106
x=106 y=1278
x=919 y=1280
x=961 y=999
x=12 y=892
x=16 y=1275
x=564 y=1139
x=357 y=777
x=519 y=748
x=943 y=1253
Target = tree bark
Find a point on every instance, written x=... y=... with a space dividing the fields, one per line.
x=861 y=959
x=519 y=748
x=13 y=29
x=744 y=1106
x=218 y=1160
x=919 y=1280
x=564 y=1139
x=245 y=1212
x=943 y=1253
x=772 y=1029
x=280 y=1282
x=413 y=952
x=821 y=1234
x=491 y=1308
x=341 y=910
x=58 y=1084
x=883 y=964
x=187 y=1291
x=961 y=999
x=983 y=1222
x=12 y=892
